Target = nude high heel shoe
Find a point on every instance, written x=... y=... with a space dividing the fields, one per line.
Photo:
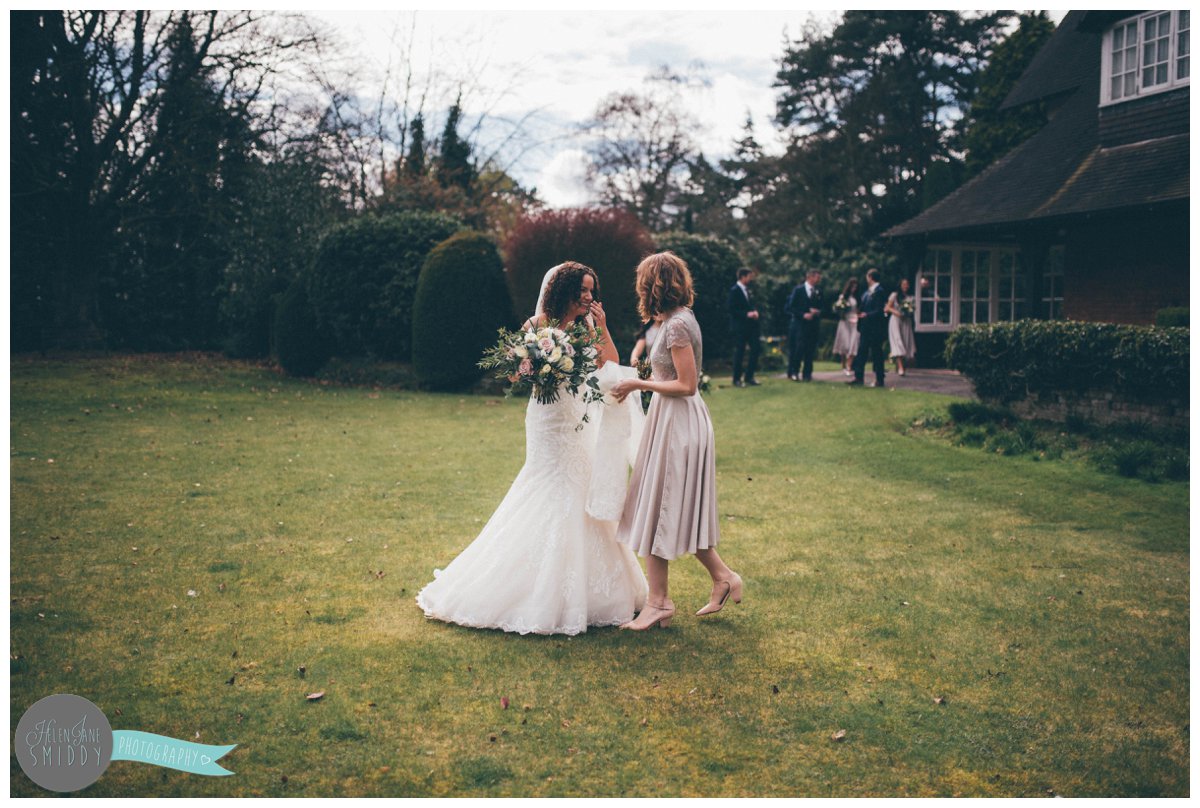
x=731 y=588
x=651 y=616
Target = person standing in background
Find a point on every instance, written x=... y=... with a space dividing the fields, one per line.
x=745 y=328
x=804 y=326
x=845 y=342
x=900 y=328
x=872 y=330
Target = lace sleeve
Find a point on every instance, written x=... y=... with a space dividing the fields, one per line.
x=676 y=334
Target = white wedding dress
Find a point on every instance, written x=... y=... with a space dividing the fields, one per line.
x=544 y=564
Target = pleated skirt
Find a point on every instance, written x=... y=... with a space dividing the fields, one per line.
x=671 y=505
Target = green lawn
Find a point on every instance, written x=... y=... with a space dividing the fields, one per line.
x=1046 y=603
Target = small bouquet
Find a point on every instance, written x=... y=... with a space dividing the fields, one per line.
x=643 y=372
x=841 y=305
x=906 y=307
x=544 y=361
x=704 y=385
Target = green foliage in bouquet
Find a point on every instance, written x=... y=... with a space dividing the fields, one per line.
x=546 y=361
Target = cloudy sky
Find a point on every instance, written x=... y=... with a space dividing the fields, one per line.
x=549 y=69
x=552 y=68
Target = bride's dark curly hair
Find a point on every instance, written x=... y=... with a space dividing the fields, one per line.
x=566 y=287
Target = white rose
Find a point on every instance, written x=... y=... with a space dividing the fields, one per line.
x=521 y=351
x=556 y=354
x=545 y=369
x=567 y=364
x=530 y=337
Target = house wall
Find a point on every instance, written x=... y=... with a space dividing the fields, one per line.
x=1123 y=270
x=1154 y=116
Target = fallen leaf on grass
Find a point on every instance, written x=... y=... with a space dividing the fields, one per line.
x=939 y=700
x=504 y=702
x=838 y=736
x=320 y=694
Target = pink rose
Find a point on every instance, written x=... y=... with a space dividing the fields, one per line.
x=546 y=344
x=526 y=367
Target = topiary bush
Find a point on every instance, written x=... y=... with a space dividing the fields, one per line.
x=1174 y=317
x=1013 y=361
x=301 y=344
x=714 y=264
x=612 y=242
x=461 y=301
x=364 y=277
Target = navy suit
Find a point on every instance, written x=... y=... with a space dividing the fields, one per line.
x=803 y=335
x=872 y=331
x=745 y=331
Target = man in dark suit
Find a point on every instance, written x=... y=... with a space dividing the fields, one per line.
x=872 y=330
x=804 y=327
x=744 y=326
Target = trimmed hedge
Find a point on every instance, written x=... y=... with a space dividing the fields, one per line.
x=364 y=276
x=461 y=301
x=714 y=264
x=301 y=345
x=1173 y=317
x=1013 y=361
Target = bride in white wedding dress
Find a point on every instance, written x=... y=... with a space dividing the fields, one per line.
x=544 y=563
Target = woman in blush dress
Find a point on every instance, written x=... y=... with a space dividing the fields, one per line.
x=845 y=342
x=671 y=504
x=900 y=327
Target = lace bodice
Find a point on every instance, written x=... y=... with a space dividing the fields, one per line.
x=679 y=329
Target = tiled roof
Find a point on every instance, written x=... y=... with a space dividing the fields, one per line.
x=1069 y=60
x=1062 y=169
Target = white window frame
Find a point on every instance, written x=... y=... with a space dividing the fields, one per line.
x=993 y=282
x=1173 y=82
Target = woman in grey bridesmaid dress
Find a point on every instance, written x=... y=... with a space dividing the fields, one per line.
x=671 y=504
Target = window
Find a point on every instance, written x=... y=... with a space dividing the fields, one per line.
x=934 y=288
x=1146 y=54
x=974 y=286
x=1010 y=294
x=1183 y=45
x=965 y=284
x=1052 y=283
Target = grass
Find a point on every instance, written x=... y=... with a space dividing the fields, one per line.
x=1045 y=603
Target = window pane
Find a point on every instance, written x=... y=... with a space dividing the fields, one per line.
x=1182 y=68
x=1160 y=76
x=1117 y=84
x=964 y=313
x=981 y=312
x=1150 y=27
x=1005 y=312
x=1006 y=287
x=926 y=311
x=1118 y=39
x=1185 y=20
x=967 y=289
x=1129 y=78
x=943 y=311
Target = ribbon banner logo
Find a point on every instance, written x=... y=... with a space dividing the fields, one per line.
x=64 y=743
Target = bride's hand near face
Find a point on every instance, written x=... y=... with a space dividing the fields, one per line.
x=607 y=352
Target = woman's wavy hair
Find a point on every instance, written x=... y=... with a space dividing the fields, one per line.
x=663 y=283
x=851 y=287
x=566 y=286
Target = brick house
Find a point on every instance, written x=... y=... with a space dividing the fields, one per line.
x=1088 y=219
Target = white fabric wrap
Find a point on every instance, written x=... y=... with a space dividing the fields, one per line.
x=618 y=430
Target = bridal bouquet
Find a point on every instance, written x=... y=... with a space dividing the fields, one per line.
x=544 y=361
x=841 y=305
x=906 y=307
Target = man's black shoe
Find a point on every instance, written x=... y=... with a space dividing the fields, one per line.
x=753 y=382
x=855 y=383
x=738 y=383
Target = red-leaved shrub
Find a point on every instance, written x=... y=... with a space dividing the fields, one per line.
x=612 y=242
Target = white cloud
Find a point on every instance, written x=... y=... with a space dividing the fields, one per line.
x=561 y=183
